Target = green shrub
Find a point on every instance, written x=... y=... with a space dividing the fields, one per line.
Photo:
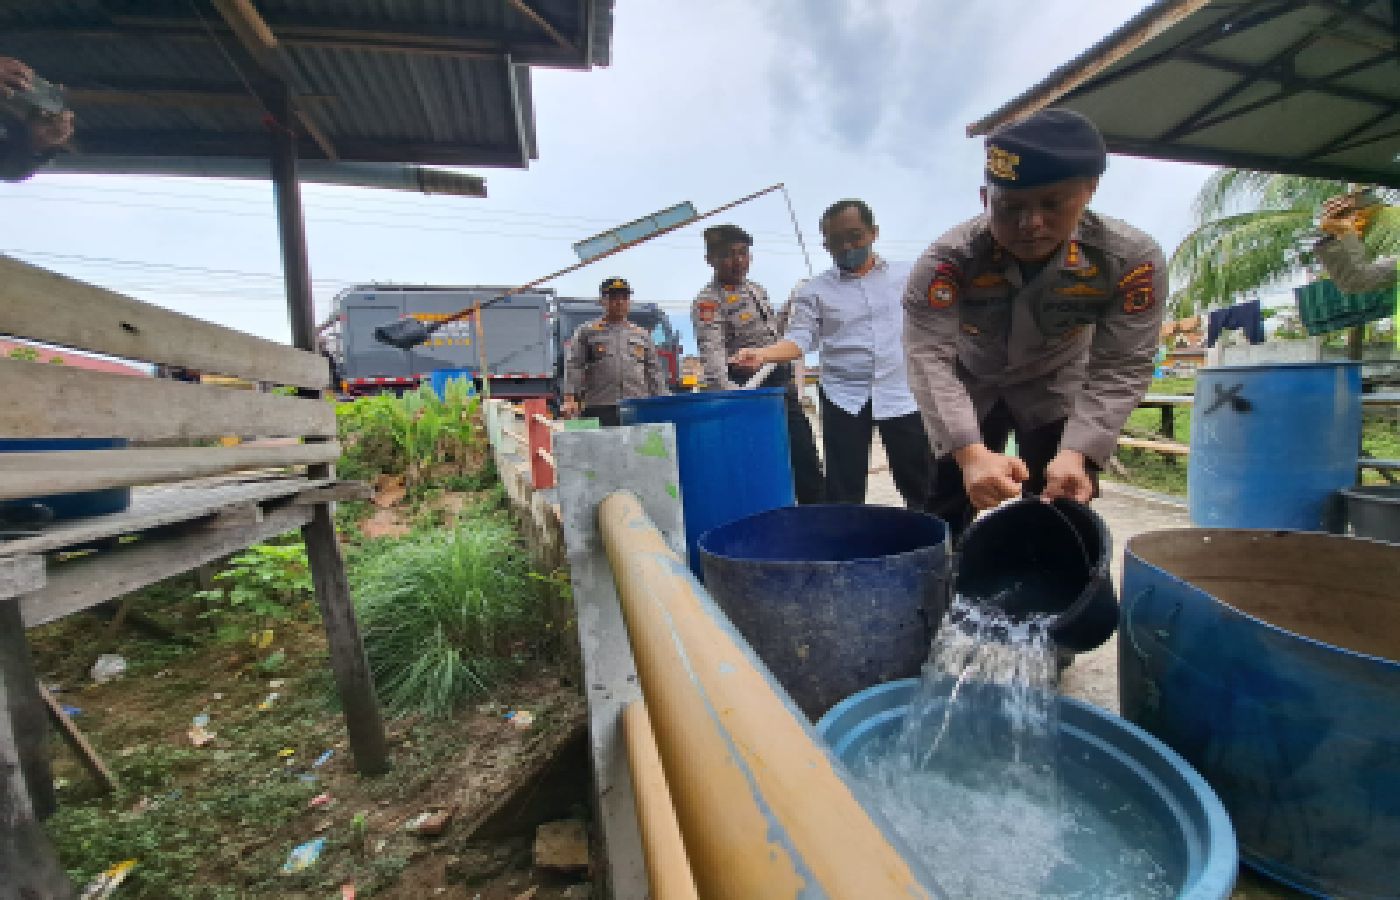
x=419 y=435
x=267 y=581
x=443 y=613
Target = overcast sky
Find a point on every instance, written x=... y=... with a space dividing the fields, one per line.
x=705 y=101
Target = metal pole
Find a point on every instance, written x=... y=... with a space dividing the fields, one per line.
x=762 y=807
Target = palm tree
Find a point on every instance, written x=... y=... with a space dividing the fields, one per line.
x=1255 y=229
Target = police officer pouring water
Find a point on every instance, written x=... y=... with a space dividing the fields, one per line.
x=731 y=313
x=1038 y=318
x=610 y=359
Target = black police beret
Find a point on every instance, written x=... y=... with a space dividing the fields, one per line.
x=613 y=284
x=726 y=234
x=1048 y=146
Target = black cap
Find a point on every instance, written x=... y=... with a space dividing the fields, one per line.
x=613 y=284
x=727 y=235
x=1048 y=146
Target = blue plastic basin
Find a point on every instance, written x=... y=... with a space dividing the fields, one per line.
x=1132 y=763
x=68 y=506
x=1271 y=662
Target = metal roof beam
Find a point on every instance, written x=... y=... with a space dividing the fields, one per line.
x=1237 y=159
x=382 y=39
x=1355 y=11
x=259 y=41
x=208 y=96
x=529 y=12
x=254 y=145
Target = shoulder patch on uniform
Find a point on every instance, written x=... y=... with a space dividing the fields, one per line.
x=946 y=269
x=705 y=310
x=1139 y=292
x=942 y=292
x=1081 y=290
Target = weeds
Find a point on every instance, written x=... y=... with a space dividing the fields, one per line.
x=266 y=581
x=444 y=613
x=419 y=435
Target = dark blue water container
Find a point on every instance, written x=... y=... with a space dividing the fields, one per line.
x=833 y=599
x=1105 y=760
x=1271 y=445
x=733 y=448
x=63 y=506
x=1269 y=661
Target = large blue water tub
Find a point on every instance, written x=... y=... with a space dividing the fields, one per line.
x=1101 y=756
x=1269 y=661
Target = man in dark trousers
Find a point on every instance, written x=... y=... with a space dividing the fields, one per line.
x=731 y=313
x=850 y=315
x=1037 y=317
x=610 y=360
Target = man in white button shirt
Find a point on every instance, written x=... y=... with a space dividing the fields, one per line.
x=852 y=315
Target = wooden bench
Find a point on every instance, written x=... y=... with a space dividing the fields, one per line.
x=192 y=504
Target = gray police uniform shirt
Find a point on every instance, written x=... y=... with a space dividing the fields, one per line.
x=727 y=320
x=1345 y=260
x=1076 y=342
x=612 y=361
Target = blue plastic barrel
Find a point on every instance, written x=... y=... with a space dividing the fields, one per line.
x=438 y=379
x=64 y=506
x=834 y=598
x=1271 y=445
x=733 y=449
x=1102 y=758
x=1269 y=661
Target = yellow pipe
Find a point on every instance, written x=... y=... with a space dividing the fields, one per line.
x=668 y=870
x=762 y=809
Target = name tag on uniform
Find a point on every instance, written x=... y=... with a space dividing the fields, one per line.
x=1081 y=290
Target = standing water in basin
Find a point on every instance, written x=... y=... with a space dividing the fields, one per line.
x=974 y=784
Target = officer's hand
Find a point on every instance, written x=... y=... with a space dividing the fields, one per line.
x=1338 y=215
x=988 y=477
x=570 y=408
x=1068 y=476
x=51 y=131
x=15 y=76
x=748 y=358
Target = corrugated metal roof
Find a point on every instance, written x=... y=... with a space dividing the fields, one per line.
x=417 y=81
x=1310 y=88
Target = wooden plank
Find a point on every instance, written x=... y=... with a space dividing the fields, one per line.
x=39 y=304
x=20 y=575
x=1383 y=465
x=1167 y=447
x=40 y=474
x=85 y=582
x=353 y=680
x=78 y=742
x=339 y=492
x=46 y=401
x=154 y=507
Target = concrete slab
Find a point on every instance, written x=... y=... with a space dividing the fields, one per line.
x=592 y=465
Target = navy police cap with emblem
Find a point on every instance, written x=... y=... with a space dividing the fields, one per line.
x=1048 y=146
x=610 y=285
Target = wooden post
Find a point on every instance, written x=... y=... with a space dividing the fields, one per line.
x=29 y=867
x=1169 y=421
x=352 y=675
x=24 y=711
x=541 y=439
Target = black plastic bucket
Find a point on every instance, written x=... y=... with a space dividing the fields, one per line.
x=1374 y=512
x=1034 y=558
x=834 y=599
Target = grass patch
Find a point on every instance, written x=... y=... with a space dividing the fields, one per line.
x=445 y=612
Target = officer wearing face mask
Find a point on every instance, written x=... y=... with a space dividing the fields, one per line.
x=850 y=315
x=1038 y=318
